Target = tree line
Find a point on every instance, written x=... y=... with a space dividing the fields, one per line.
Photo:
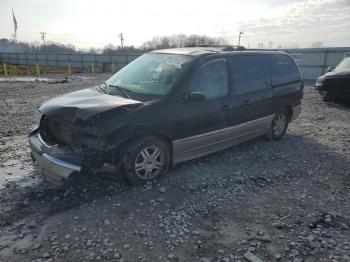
x=173 y=41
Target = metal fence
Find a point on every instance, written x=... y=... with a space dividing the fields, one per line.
x=312 y=62
x=79 y=62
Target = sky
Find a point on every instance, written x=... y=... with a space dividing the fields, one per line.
x=86 y=23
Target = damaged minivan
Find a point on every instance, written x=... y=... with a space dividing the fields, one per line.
x=166 y=107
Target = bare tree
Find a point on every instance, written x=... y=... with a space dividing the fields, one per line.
x=317 y=44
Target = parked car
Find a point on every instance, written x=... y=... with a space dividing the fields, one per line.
x=335 y=84
x=166 y=107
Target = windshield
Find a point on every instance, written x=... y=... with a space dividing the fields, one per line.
x=150 y=74
x=343 y=66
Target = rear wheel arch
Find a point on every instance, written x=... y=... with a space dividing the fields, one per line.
x=289 y=112
x=284 y=113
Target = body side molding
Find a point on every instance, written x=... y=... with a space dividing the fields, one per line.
x=199 y=145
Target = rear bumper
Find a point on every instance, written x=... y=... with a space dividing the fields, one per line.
x=296 y=112
x=50 y=160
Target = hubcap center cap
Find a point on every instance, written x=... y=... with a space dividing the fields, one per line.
x=150 y=162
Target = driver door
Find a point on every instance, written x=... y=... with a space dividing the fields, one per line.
x=199 y=126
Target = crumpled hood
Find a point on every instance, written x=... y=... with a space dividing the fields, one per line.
x=84 y=103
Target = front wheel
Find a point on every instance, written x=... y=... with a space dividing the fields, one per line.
x=147 y=159
x=278 y=125
x=326 y=98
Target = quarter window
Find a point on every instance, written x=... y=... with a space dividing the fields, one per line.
x=283 y=70
x=211 y=79
x=249 y=73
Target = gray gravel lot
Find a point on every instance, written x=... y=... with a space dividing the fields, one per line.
x=277 y=201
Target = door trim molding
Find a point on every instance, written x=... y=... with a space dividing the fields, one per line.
x=199 y=145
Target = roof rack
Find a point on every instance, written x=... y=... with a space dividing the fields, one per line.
x=223 y=47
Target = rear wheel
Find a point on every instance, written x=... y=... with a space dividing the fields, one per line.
x=326 y=98
x=147 y=159
x=279 y=125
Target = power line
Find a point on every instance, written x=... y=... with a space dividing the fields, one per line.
x=121 y=41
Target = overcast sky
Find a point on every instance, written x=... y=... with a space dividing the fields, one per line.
x=86 y=23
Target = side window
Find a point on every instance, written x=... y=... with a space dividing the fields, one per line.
x=283 y=70
x=249 y=73
x=211 y=79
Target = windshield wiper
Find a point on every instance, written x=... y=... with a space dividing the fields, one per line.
x=122 y=90
x=147 y=82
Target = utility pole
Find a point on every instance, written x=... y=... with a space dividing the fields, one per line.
x=181 y=35
x=239 y=38
x=14 y=37
x=43 y=39
x=121 y=41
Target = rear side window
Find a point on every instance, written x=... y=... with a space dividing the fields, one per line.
x=211 y=79
x=249 y=73
x=283 y=70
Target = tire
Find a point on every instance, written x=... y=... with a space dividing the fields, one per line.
x=146 y=159
x=326 y=98
x=278 y=125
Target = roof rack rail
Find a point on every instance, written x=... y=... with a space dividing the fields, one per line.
x=223 y=47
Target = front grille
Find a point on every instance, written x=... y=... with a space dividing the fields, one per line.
x=55 y=131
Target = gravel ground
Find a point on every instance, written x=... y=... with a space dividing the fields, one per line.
x=274 y=201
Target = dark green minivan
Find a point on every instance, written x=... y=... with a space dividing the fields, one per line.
x=166 y=107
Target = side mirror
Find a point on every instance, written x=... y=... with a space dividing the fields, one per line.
x=195 y=96
x=330 y=69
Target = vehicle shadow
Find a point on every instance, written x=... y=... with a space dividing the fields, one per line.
x=257 y=161
x=344 y=106
x=297 y=152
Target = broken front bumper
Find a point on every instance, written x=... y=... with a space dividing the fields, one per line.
x=55 y=162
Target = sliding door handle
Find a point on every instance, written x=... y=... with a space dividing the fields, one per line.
x=226 y=107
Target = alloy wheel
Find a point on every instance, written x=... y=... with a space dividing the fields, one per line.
x=279 y=124
x=149 y=162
